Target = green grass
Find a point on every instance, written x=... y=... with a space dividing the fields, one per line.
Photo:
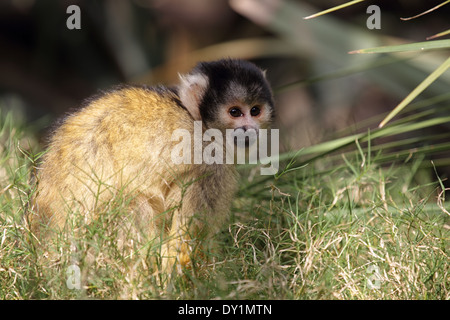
x=317 y=231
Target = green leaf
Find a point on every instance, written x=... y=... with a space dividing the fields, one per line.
x=416 y=46
x=421 y=87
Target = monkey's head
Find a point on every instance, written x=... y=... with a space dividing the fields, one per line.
x=228 y=94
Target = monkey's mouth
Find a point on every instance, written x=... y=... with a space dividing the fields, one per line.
x=242 y=142
x=244 y=138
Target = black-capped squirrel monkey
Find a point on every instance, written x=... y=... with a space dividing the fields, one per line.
x=121 y=142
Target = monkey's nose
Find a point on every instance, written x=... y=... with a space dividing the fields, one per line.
x=245 y=129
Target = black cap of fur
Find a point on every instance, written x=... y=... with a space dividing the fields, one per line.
x=221 y=74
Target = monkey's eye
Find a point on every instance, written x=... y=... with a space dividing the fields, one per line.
x=255 y=111
x=235 y=112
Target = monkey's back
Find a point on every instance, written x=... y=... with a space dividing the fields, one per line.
x=119 y=143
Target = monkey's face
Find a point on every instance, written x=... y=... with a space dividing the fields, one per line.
x=242 y=108
x=242 y=117
x=237 y=97
x=245 y=119
x=228 y=94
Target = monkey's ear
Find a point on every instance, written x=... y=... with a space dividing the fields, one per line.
x=191 y=90
x=264 y=72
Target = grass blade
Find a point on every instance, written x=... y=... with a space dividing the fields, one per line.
x=440 y=34
x=421 y=87
x=426 y=12
x=350 y=3
x=416 y=46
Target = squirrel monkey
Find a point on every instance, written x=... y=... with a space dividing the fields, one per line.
x=121 y=141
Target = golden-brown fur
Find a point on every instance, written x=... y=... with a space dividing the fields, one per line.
x=121 y=143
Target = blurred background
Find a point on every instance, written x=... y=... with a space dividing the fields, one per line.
x=47 y=69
